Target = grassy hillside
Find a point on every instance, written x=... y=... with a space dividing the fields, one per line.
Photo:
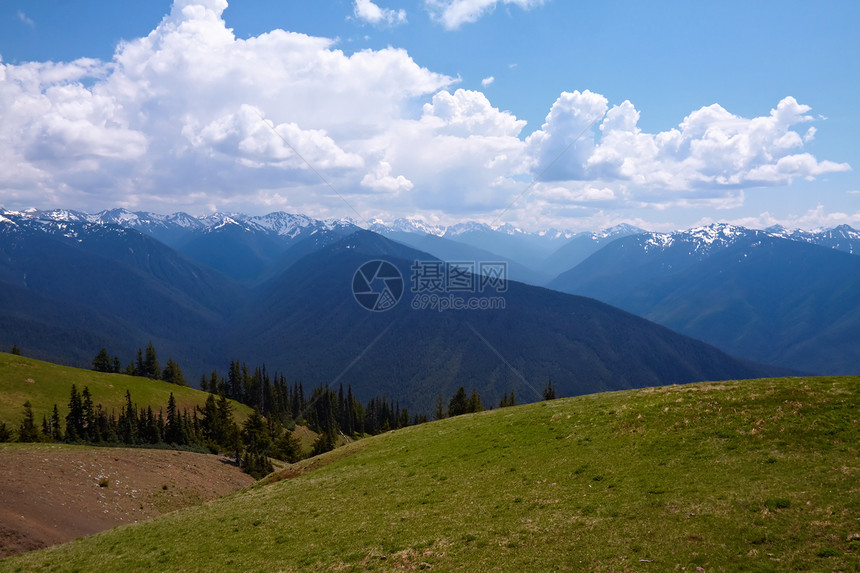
x=759 y=475
x=46 y=384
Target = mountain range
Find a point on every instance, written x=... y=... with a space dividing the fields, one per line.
x=245 y=246
x=787 y=298
x=783 y=307
x=72 y=284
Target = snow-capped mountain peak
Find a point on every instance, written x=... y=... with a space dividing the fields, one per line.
x=720 y=233
x=282 y=223
x=467 y=227
x=176 y=229
x=620 y=230
x=509 y=229
x=226 y=221
x=699 y=240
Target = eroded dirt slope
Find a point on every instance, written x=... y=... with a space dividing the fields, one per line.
x=52 y=493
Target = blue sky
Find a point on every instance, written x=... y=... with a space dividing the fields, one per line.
x=443 y=109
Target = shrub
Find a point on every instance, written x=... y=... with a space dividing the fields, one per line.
x=777 y=503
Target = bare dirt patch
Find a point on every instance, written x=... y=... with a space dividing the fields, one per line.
x=51 y=493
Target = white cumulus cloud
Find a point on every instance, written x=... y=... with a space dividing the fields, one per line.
x=190 y=117
x=380 y=179
x=372 y=13
x=709 y=157
x=177 y=113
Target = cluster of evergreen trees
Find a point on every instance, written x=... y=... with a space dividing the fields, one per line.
x=277 y=408
x=329 y=413
x=210 y=427
x=460 y=403
x=145 y=365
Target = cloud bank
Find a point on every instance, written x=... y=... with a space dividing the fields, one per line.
x=192 y=118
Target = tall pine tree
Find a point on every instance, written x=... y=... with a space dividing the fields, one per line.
x=27 y=431
x=102 y=362
x=173 y=430
x=173 y=374
x=150 y=363
x=75 y=417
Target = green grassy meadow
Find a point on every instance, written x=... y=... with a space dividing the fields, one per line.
x=757 y=475
x=46 y=384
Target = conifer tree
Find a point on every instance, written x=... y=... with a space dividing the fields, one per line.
x=128 y=422
x=27 y=431
x=475 y=404
x=459 y=403
x=440 y=408
x=234 y=381
x=173 y=374
x=288 y=448
x=150 y=363
x=549 y=391
x=228 y=438
x=324 y=443
x=508 y=400
x=56 y=430
x=5 y=433
x=209 y=423
x=16 y=351
x=75 y=417
x=151 y=433
x=106 y=425
x=102 y=362
x=173 y=431
x=88 y=418
x=216 y=385
x=139 y=367
x=256 y=465
x=255 y=436
x=348 y=423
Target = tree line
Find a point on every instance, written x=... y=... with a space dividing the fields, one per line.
x=210 y=427
x=146 y=365
x=331 y=414
x=277 y=407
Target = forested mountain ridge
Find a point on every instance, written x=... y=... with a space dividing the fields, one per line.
x=69 y=288
x=307 y=318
